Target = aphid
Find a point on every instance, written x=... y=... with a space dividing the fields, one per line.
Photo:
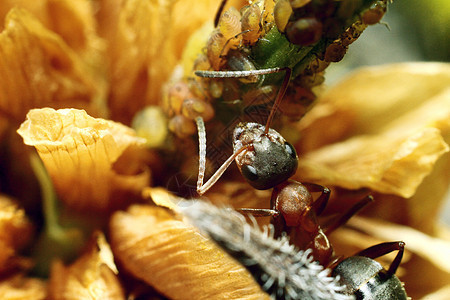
x=267 y=160
x=335 y=52
x=282 y=12
x=375 y=13
x=305 y=31
x=181 y=126
x=239 y=62
x=251 y=24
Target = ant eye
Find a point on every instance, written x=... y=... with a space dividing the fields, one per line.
x=249 y=173
x=290 y=150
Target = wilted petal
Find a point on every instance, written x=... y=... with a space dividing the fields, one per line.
x=15 y=233
x=37 y=69
x=441 y=294
x=389 y=154
x=146 y=46
x=175 y=259
x=82 y=155
x=92 y=276
x=436 y=250
x=73 y=20
x=391 y=166
x=371 y=98
x=18 y=287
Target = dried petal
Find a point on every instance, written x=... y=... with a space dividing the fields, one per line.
x=73 y=20
x=15 y=233
x=175 y=259
x=386 y=165
x=148 y=41
x=18 y=287
x=38 y=69
x=92 y=276
x=81 y=154
x=397 y=144
x=437 y=251
x=370 y=99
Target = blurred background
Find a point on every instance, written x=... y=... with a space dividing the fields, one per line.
x=412 y=30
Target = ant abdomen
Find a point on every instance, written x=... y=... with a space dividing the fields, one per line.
x=367 y=279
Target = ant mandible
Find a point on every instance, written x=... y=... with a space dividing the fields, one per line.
x=267 y=160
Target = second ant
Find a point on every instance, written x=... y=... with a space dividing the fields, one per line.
x=267 y=160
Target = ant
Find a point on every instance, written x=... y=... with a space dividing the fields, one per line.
x=267 y=160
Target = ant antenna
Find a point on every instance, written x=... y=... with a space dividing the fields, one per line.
x=279 y=97
x=201 y=151
x=237 y=74
x=219 y=12
x=202 y=188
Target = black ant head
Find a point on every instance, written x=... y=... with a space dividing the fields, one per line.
x=269 y=159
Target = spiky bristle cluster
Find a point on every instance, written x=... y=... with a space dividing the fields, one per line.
x=282 y=270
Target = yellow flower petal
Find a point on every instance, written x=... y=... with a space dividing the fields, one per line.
x=436 y=251
x=15 y=233
x=81 y=153
x=38 y=69
x=146 y=46
x=391 y=166
x=396 y=143
x=73 y=20
x=92 y=276
x=18 y=287
x=371 y=98
x=175 y=259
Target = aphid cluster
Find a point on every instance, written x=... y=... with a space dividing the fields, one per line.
x=266 y=160
x=305 y=22
x=303 y=35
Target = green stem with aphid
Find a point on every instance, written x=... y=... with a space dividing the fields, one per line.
x=275 y=50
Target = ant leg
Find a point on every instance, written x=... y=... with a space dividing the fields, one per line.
x=385 y=248
x=350 y=213
x=259 y=212
x=221 y=55
x=202 y=188
x=321 y=202
x=219 y=12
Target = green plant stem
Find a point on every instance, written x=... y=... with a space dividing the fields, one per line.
x=55 y=241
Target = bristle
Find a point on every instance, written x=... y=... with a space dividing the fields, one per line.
x=281 y=270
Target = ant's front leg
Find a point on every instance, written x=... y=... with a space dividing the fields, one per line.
x=278 y=223
x=259 y=212
x=202 y=188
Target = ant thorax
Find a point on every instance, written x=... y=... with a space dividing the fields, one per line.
x=268 y=160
